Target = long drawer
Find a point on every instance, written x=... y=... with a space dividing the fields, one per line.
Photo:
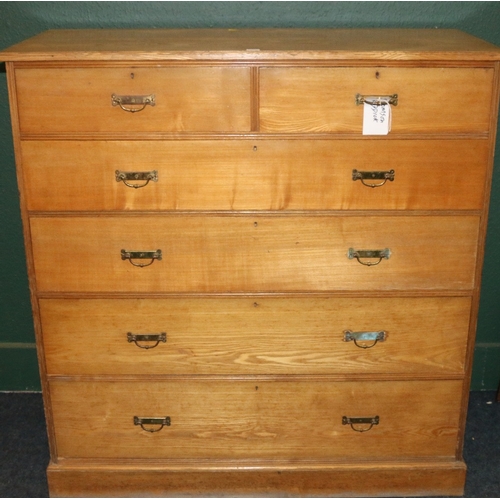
x=79 y=100
x=255 y=419
x=254 y=175
x=258 y=335
x=253 y=253
x=430 y=100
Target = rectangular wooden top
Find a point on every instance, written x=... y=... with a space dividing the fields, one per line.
x=251 y=45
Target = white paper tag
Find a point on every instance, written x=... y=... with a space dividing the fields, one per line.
x=376 y=119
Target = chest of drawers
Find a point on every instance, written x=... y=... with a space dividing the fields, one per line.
x=235 y=291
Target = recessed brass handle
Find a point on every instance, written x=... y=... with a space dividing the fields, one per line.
x=148 y=337
x=369 y=254
x=375 y=175
x=364 y=337
x=374 y=100
x=161 y=421
x=132 y=100
x=132 y=256
x=129 y=177
x=361 y=421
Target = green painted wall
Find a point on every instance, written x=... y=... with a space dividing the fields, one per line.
x=19 y=20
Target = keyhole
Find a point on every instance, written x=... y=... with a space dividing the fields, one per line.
x=132 y=75
x=255 y=148
x=377 y=75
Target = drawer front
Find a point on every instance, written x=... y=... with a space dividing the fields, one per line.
x=258 y=175
x=255 y=419
x=72 y=100
x=255 y=335
x=253 y=253
x=323 y=99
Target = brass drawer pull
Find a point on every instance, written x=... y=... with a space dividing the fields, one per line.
x=369 y=254
x=134 y=100
x=131 y=256
x=364 y=337
x=357 y=421
x=364 y=176
x=148 y=337
x=374 y=100
x=144 y=177
x=161 y=421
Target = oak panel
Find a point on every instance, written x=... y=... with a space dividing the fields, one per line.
x=255 y=174
x=450 y=100
x=292 y=44
x=255 y=335
x=276 y=479
x=253 y=253
x=69 y=100
x=255 y=419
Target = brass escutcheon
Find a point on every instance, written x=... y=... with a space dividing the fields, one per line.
x=374 y=100
x=132 y=256
x=375 y=175
x=369 y=254
x=161 y=421
x=352 y=421
x=364 y=337
x=147 y=337
x=128 y=177
x=127 y=100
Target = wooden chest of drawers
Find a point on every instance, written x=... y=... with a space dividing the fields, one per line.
x=235 y=290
